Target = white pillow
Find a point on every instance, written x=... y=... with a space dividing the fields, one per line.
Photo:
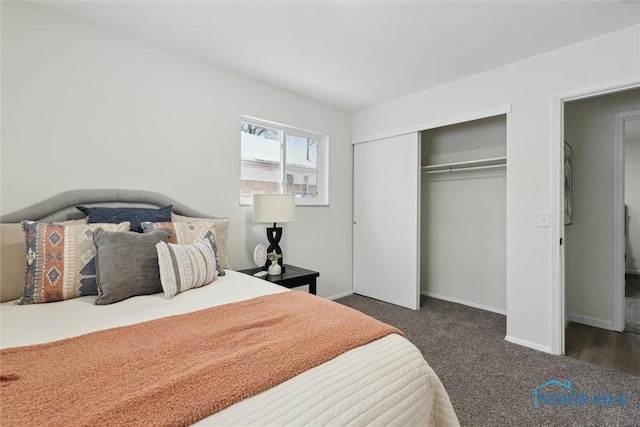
x=184 y=267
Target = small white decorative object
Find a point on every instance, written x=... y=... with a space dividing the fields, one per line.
x=275 y=269
x=260 y=255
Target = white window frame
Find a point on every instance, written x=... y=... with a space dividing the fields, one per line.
x=322 y=162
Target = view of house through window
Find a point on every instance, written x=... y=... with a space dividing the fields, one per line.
x=280 y=159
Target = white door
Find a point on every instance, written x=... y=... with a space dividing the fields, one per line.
x=386 y=220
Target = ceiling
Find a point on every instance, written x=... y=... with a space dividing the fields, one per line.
x=357 y=54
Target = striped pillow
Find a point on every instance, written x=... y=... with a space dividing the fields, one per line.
x=184 y=267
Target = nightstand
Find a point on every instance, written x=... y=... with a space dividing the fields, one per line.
x=291 y=278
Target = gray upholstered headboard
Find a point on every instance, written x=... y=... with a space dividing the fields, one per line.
x=62 y=207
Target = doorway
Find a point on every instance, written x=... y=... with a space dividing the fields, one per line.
x=630 y=124
x=558 y=306
x=594 y=238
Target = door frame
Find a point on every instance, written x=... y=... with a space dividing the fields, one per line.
x=558 y=319
x=619 y=219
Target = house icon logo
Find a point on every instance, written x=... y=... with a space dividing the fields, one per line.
x=537 y=390
x=564 y=394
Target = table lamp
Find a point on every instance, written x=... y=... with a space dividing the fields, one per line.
x=274 y=208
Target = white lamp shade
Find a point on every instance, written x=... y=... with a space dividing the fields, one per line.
x=274 y=208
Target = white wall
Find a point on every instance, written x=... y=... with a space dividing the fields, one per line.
x=86 y=107
x=589 y=264
x=463 y=216
x=632 y=200
x=529 y=86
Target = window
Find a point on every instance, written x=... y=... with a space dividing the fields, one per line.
x=280 y=159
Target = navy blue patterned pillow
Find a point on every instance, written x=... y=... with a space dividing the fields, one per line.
x=134 y=215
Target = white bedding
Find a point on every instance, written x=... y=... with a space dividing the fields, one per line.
x=386 y=382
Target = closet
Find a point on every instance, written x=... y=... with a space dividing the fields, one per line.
x=429 y=215
x=463 y=213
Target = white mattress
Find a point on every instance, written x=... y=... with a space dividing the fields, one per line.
x=386 y=382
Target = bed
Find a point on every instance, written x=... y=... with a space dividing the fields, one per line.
x=383 y=382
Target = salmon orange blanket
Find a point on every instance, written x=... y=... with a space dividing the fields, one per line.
x=180 y=369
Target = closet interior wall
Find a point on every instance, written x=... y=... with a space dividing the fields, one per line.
x=463 y=214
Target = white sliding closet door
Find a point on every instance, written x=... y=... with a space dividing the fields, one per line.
x=386 y=220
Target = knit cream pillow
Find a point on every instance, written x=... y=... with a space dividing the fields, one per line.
x=184 y=267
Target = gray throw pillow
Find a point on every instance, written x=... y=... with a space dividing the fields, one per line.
x=127 y=264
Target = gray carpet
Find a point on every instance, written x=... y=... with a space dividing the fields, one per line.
x=632 y=303
x=489 y=379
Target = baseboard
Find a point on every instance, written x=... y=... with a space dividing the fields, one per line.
x=591 y=321
x=340 y=295
x=629 y=271
x=463 y=302
x=529 y=344
x=567 y=319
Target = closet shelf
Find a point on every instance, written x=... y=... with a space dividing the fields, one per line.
x=495 y=162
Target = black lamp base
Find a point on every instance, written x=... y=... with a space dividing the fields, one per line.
x=274 y=234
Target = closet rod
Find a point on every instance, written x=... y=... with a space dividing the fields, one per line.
x=467 y=168
x=468 y=165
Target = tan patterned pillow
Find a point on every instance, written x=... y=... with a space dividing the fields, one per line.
x=184 y=267
x=60 y=260
x=219 y=226
x=12 y=259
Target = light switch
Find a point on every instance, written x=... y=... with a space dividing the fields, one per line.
x=543 y=219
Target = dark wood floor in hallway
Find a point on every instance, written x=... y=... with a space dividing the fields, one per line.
x=620 y=351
